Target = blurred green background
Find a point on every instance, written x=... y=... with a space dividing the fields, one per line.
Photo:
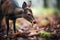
x=43 y=7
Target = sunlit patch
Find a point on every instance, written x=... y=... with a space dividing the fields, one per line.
x=42 y=11
x=44 y=22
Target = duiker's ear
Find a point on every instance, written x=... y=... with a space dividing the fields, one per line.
x=24 y=5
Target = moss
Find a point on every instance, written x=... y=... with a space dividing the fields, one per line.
x=44 y=34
